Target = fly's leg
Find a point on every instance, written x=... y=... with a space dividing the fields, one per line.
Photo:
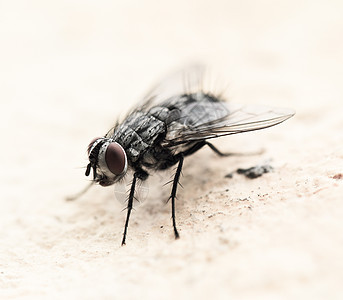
x=173 y=194
x=79 y=194
x=129 y=207
x=142 y=175
x=218 y=151
x=231 y=153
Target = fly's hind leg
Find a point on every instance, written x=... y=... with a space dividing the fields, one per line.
x=232 y=153
x=173 y=194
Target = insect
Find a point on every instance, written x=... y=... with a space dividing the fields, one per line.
x=177 y=118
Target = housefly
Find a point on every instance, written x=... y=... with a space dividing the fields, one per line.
x=177 y=118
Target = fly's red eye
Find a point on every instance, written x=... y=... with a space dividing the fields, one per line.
x=91 y=144
x=115 y=158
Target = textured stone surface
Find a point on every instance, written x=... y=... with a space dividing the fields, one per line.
x=69 y=68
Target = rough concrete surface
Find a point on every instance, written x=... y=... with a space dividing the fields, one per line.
x=69 y=69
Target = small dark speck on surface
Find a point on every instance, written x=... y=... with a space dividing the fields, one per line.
x=255 y=171
x=252 y=172
x=338 y=176
x=230 y=175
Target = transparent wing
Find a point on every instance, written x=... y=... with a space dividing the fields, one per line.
x=240 y=118
x=208 y=116
x=185 y=81
x=122 y=189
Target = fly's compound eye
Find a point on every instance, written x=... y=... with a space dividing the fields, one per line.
x=115 y=158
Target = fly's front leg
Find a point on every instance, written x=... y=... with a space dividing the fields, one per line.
x=173 y=194
x=79 y=194
x=129 y=206
x=142 y=175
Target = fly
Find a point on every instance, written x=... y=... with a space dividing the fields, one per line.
x=175 y=120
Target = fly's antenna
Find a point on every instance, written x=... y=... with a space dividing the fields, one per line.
x=88 y=170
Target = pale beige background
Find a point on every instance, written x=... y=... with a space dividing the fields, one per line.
x=68 y=69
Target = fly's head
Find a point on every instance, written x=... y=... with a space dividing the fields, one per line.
x=108 y=161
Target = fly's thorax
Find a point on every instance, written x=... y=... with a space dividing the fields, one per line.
x=140 y=131
x=108 y=160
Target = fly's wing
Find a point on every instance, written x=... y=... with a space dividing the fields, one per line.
x=223 y=119
x=185 y=81
x=201 y=114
